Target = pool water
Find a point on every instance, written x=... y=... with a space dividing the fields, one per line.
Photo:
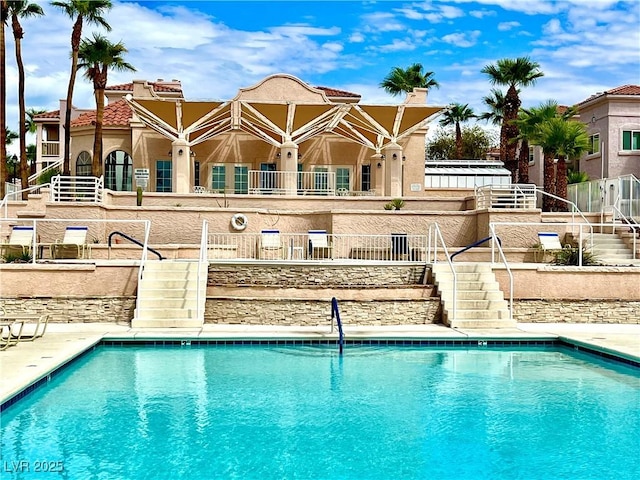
x=304 y=412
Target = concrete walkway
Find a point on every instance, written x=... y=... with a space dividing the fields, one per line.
x=27 y=362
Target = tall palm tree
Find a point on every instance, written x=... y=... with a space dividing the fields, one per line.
x=97 y=56
x=30 y=122
x=455 y=115
x=401 y=80
x=92 y=11
x=511 y=73
x=495 y=102
x=9 y=136
x=3 y=99
x=22 y=9
x=576 y=142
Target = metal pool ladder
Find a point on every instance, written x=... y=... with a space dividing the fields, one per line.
x=335 y=313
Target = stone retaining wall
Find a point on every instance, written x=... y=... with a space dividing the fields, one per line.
x=576 y=311
x=74 y=310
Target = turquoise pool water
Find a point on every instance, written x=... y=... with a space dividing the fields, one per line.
x=303 y=412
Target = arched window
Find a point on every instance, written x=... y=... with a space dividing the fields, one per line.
x=118 y=171
x=83 y=164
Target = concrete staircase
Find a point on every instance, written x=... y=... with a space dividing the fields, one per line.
x=167 y=295
x=611 y=249
x=479 y=301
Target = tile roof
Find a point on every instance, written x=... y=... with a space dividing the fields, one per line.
x=157 y=87
x=334 y=92
x=622 y=90
x=51 y=114
x=116 y=114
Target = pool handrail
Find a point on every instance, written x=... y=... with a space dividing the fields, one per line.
x=335 y=313
x=144 y=245
x=202 y=260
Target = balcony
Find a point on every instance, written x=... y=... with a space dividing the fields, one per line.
x=50 y=149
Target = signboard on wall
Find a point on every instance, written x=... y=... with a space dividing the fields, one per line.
x=416 y=187
x=142 y=177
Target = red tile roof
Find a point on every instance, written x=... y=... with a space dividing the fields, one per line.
x=157 y=87
x=51 y=114
x=116 y=114
x=622 y=90
x=334 y=92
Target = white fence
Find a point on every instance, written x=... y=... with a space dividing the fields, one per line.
x=291 y=183
x=506 y=196
x=77 y=189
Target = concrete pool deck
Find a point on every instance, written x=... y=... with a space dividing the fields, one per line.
x=26 y=363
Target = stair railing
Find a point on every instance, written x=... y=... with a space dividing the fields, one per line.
x=629 y=222
x=335 y=313
x=13 y=197
x=435 y=237
x=202 y=260
x=496 y=243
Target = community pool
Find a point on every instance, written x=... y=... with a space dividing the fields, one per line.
x=304 y=412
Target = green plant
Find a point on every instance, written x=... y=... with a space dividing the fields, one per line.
x=395 y=204
x=45 y=177
x=19 y=258
x=570 y=255
x=388 y=206
x=139 y=196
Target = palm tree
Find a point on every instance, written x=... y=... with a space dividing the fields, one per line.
x=576 y=142
x=405 y=80
x=9 y=137
x=30 y=122
x=521 y=72
x=22 y=9
x=495 y=102
x=97 y=56
x=80 y=10
x=455 y=115
x=3 y=100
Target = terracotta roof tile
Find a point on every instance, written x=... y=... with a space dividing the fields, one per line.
x=334 y=92
x=51 y=114
x=157 y=87
x=116 y=114
x=622 y=90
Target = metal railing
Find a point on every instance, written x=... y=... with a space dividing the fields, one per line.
x=435 y=238
x=291 y=183
x=626 y=222
x=77 y=189
x=496 y=243
x=393 y=247
x=506 y=196
x=335 y=313
x=203 y=262
x=16 y=196
x=52 y=166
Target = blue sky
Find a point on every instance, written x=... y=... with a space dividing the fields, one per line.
x=217 y=47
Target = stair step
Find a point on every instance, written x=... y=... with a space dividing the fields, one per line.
x=165 y=323
x=490 y=305
x=466 y=286
x=159 y=313
x=155 y=302
x=479 y=314
x=461 y=267
x=473 y=295
x=483 y=323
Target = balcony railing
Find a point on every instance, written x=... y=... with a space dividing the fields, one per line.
x=77 y=189
x=50 y=149
x=291 y=183
x=506 y=196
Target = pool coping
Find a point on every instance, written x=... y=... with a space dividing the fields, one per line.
x=196 y=337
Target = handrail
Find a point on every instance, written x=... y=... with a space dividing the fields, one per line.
x=474 y=244
x=202 y=260
x=144 y=245
x=5 y=201
x=335 y=313
x=53 y=165
x=437 y=234
x=629 y=223
x=506 y=264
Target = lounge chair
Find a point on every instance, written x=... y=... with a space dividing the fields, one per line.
x=31 y=331
x=549 y=243
x=20 y=241
x=270 y=245
x=73 y=245
x=8 y=335
x=319 y=245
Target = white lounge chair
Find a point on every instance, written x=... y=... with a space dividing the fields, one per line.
x=270 y=245
x=73 y=245
x=549 y=243
x=20 y=241
x=319 y=245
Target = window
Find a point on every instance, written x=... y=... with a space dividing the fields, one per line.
x=218 y=183
x=631 y=140
x=366 y=178
x=118 y=171
x=163 y=176
x=240 y=179
x=83 y=164
x=342 y=179
x=594 y=144
x=196 y=174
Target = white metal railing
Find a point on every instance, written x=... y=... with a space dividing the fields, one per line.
x=52 y=166
x=435 y=238
x=393 y=247
x=574 y=208
x=16 y=196
x=291 y=183
x=203 y=262
x=77 y=189
x=626 y=222
x=48 y=232
x=496 y=244
x=506 y=196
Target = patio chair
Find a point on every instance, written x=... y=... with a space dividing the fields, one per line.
x=8 y=335
x=20 y=241
x=270 y=245
x=319 y=245
x=73 y=245
x=549 y=243
x=399 y=246
x=31 y=331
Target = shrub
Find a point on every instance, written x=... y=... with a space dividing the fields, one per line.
x=570 y=255
x=46 y=176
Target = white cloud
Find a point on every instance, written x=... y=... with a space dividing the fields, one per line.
x=506 y=26
x=482 y=13
x=463 y=40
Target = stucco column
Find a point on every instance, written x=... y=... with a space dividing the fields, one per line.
x=288 y=163
x=393 y=170
x=377 y=173
x=181 y=162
